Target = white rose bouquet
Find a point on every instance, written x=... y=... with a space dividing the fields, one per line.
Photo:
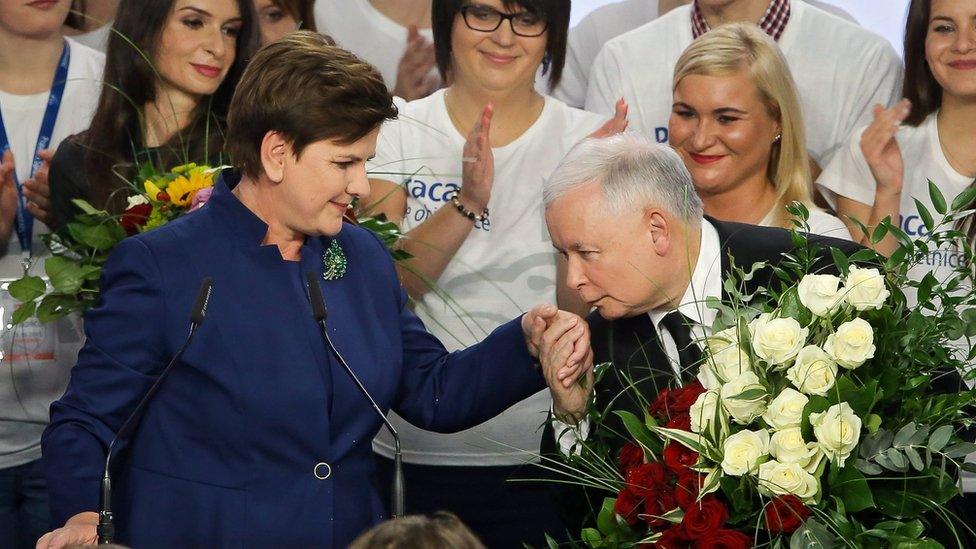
x=821 y=415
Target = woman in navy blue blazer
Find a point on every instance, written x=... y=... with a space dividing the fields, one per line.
x=258 y=438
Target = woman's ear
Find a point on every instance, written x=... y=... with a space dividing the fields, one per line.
x=274 y=152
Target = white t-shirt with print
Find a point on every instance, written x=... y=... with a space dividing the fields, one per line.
x=502 y=269
x=841 y=70
x=607 y=22
x=362 y=29
x=849 y=175
x=37 y=357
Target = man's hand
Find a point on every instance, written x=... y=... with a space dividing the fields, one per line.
x=80 y=529
x=561 y=342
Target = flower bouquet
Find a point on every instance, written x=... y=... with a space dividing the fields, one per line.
x=81 y=249
x=822 y=414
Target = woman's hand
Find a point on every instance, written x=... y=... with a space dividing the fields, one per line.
x=478 y=165
x=8 y=196
x=881 y=150
x=414 y=78
x=565 y=355
x=616 y=124
x=37 y=192
x=81 y=529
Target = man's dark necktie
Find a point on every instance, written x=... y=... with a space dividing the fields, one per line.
x=689 y=354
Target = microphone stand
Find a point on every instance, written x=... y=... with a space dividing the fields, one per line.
x=106 y=521
x=320 y=314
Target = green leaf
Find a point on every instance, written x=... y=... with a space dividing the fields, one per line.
x=606 y=520
x=87 y=208
x=840 y=260
x=813 y=535
x=872 y=423
x=592 y=537
x=939 y=438
x=897 y=458
x=755 y=393
x=639 y=431
x=938 y=200
x=102 y=236
x=914 y=458
x=924 y=213
x=27 y=288
x=880 y=231
x=867 y=467
x=66 y=276
x=54 y=306
x=851 y=487
x=23 y=312
x=790 y=306
x=960 y=449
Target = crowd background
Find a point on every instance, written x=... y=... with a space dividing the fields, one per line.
x=808 y=106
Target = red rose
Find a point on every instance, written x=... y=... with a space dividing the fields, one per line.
x=680 y=421
x=661 y=406
x=656 y=504
x=631 y=455
x=686 y=489
x=673 y=538
x=135 y=217
x=626 y=506
x=708 y=515
x=686 y=396
x=724 y=539
x=785 y=514
x=679 y=457
x=644 y=478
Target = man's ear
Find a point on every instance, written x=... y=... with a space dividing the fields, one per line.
x=274 y=151
x=658 y=228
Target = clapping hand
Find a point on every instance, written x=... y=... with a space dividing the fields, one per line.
x=561 y=342
x=615 y=125
x=37 y=193
x=414 y=77
x=478 y=164
x=8 y=196
x=880 y=148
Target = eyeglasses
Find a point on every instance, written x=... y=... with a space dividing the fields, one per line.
x=481 y=18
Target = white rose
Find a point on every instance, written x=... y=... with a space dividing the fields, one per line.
x=778 y=340
x=852 y=344
x=814 y=372
x=744 y=410
x=786 y=410
x=136 y=200
x=725 y=358
x=704 y=409
x=837 y=430
x=819 y=293
x=787 y=478
x=865 y=288
x=788 y=446
x=742 y=452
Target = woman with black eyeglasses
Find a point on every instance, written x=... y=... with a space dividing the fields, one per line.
x=462 y=172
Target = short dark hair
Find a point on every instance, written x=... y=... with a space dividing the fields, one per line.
x=555 y=12
x=308 y=90
x=441 y=531
x=920 y=87
x=299 y=10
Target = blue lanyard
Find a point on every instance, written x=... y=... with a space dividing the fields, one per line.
x=25 y=221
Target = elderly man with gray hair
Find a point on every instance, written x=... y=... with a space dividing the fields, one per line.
x=623 y=211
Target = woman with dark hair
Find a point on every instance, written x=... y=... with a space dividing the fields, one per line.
x=928 y=135
x=170 y=71
x=280 y=17
x=461 y=170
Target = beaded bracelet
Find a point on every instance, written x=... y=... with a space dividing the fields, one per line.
x=482 y=217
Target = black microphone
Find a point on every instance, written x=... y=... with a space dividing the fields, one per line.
x=319 y=312
x=106 y=525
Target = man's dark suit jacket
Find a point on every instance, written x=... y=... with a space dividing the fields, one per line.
x=639 y=363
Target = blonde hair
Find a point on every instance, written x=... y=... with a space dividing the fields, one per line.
x=737 y=47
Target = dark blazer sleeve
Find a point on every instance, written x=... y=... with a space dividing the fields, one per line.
x=67 y=181
x=121 y=357
x=449 y=392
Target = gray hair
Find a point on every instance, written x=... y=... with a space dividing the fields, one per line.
x=632 y=170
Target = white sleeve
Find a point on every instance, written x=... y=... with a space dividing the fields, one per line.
x=880 y=83
x=848 y=175
x=604 y=86
x=568 y=436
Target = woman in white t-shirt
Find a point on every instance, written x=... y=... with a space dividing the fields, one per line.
x=462 y=172
x=736 y=122
x=929 y=135
x=35 y=61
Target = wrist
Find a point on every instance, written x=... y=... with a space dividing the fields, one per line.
x=567 y=415
x=464 y=207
